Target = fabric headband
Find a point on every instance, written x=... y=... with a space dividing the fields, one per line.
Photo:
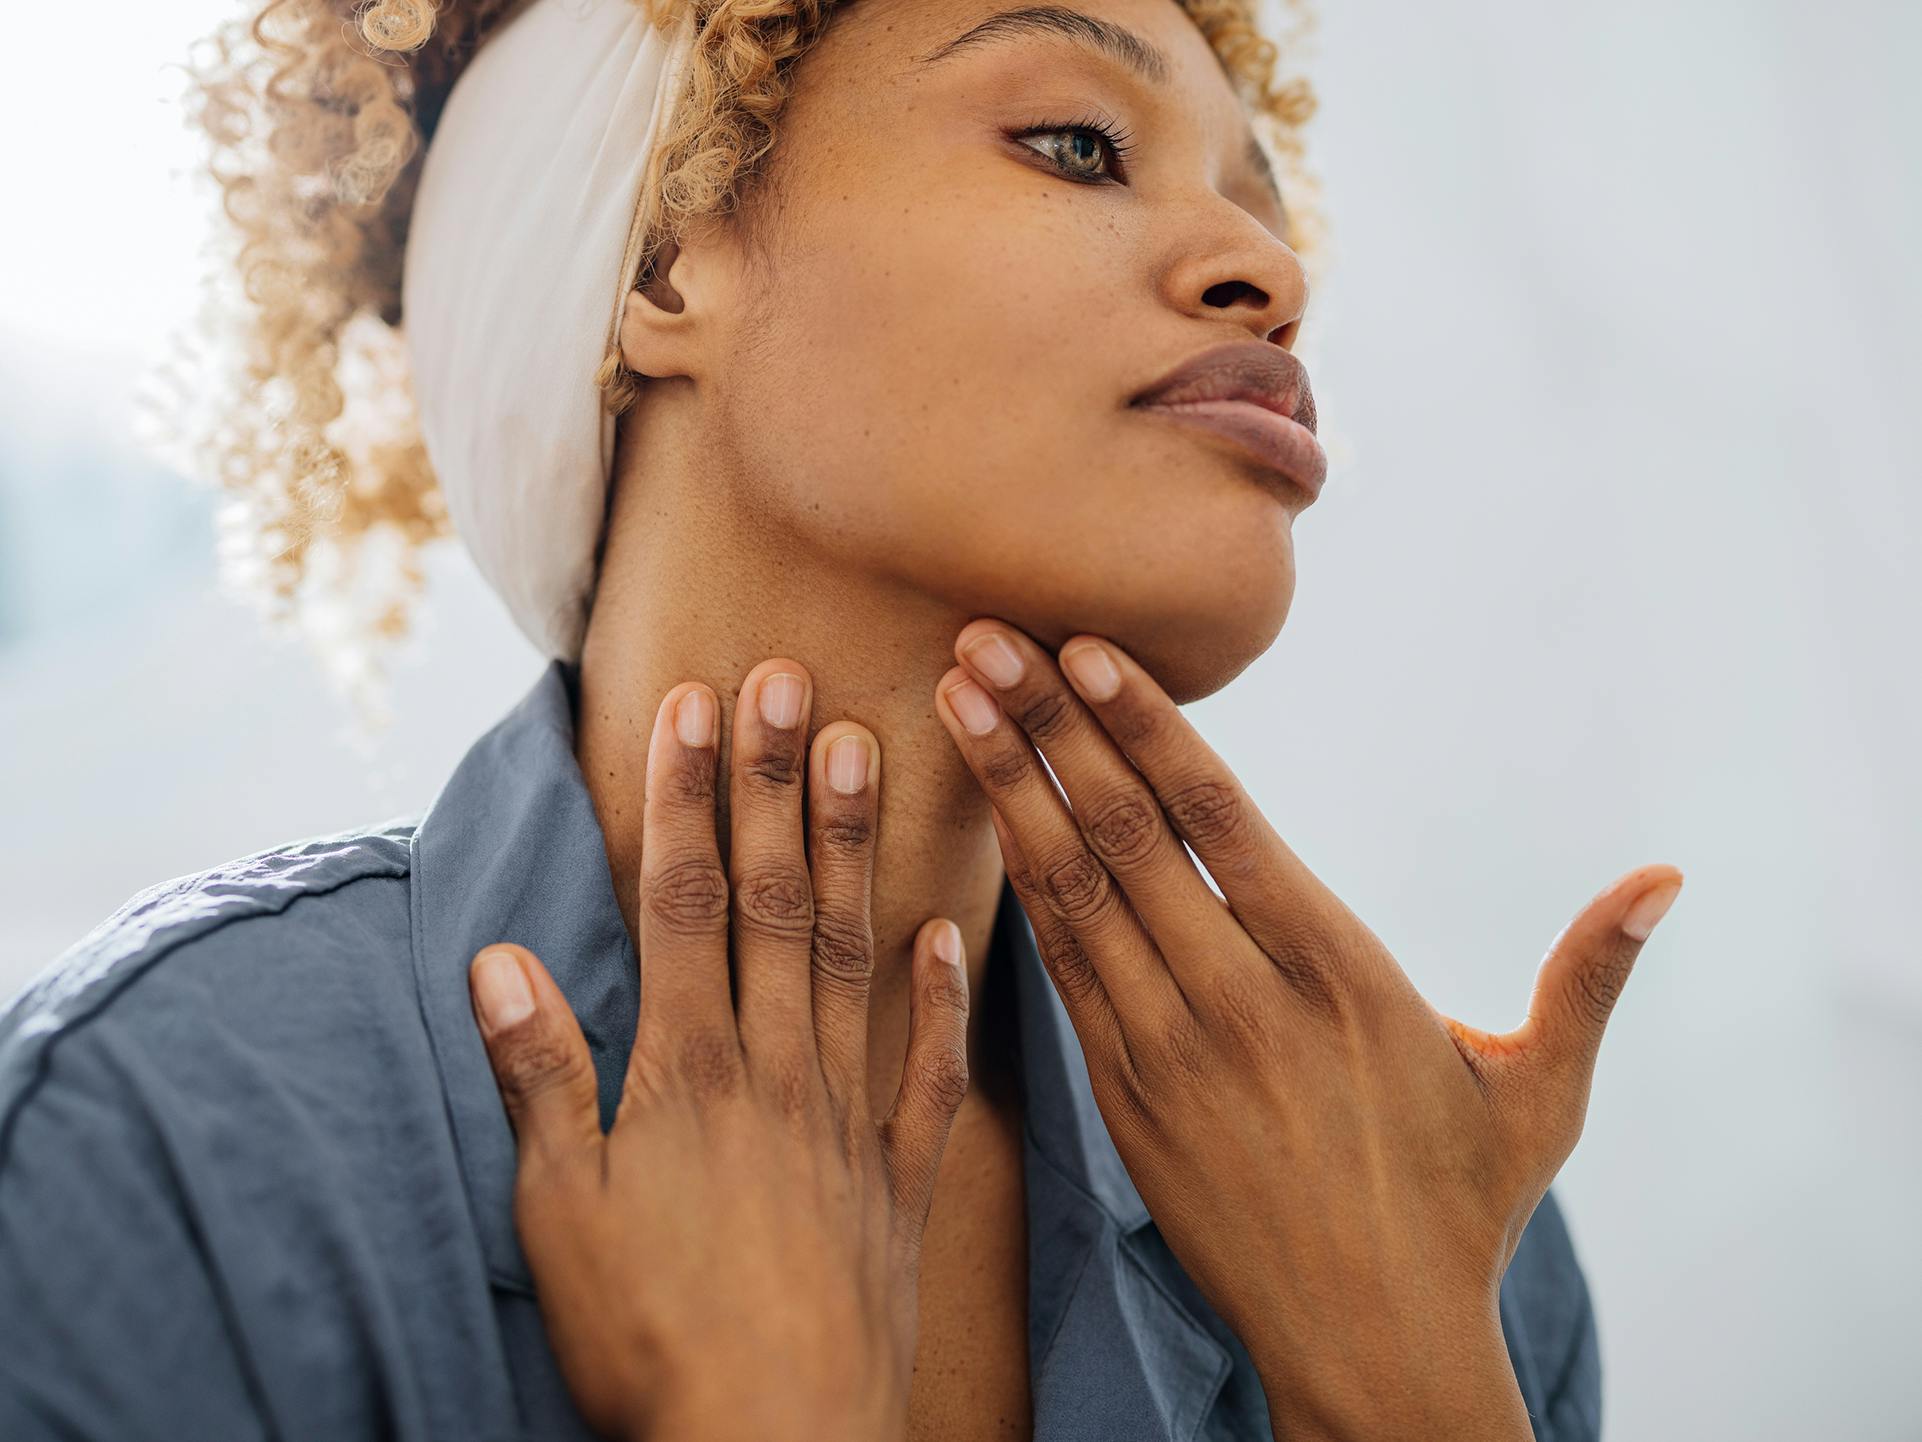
x=524 y=240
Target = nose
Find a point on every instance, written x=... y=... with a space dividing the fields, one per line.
x=1244 y=272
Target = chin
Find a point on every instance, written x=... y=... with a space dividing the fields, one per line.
x=1207 y=621
x=1193 y=633
x=1195 y=655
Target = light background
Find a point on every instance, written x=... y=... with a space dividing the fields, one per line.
x=1618 y=566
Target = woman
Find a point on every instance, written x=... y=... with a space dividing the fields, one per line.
x=924 y=326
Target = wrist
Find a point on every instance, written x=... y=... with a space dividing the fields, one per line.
x=753 y=1413
x=1453 y=1382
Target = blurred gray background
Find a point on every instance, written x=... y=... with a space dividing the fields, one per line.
x=1618 y=563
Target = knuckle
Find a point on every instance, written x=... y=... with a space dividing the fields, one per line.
x=691 y=776
x=1136 y=727
x=690 y=895
x=1006 y=768
x=779 y=771
x=1020 y=875
x=947 y=993
x=1209 y=812
x=1073 y=973
x=533 y=1060
x=1597 y=987
x=1077 y=886
x=1122 y=829
x=944 y=1072
x=1045 y=715
x=843 y=947
x=845 y=830
x=776 y=900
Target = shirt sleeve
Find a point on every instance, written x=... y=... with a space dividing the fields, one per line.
x=114 y=1323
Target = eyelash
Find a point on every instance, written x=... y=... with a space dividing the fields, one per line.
x=1116 y=141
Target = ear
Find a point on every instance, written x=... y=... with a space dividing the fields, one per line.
x=667 y=316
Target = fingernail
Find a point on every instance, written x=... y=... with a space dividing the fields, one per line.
x=1651 y=908
x=998 y=661
x=694 y=719
x=780 y=699
x=974 y=706
x=947 y=943
x=848 y=764
x=501 y=990
x=1093 y=674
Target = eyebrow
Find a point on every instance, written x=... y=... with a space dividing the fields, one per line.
x=1106 y=38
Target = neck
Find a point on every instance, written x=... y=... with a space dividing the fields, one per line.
x=694 y=587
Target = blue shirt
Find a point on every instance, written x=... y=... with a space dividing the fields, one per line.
x=256 y=1179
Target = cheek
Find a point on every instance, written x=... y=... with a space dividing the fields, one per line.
x=924 y=353
x=942 y=399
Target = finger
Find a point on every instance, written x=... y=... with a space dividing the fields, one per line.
x=1114 y=808
x=1582 y=977
x=1310 y=934
x=1069 y=880
x=934 y=1081
x=539 y=1056
x=844 y=778
x=1075 y=979
x=773 y=899
x=686 y=1008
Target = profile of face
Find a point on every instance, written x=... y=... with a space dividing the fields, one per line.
x=926 y=374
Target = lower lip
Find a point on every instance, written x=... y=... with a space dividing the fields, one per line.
x=1277 y=442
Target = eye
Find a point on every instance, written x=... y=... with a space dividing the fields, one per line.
x=1077 y=157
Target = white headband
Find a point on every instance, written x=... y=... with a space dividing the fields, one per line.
x=521 y=249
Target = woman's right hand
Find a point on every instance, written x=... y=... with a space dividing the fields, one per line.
x=738 y=1256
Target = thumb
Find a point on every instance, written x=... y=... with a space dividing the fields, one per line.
x=914 y=1133
x=1585 y=970
x=540 y=1059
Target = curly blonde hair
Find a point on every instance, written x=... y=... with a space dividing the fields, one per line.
x=293 y=396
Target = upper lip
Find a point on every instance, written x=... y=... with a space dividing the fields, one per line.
x=1257 y=371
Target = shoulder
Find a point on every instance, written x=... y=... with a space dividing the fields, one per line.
x=1550 y=1322
x=179 y=1091
x=312 y=935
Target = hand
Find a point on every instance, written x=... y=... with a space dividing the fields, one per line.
x=1343 y=1171
x=738 y=1255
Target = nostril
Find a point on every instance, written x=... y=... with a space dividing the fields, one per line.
x=1232 y=292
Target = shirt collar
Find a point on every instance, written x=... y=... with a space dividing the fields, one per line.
x=511 y=850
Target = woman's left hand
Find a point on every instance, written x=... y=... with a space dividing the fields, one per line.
x=1343 y=1171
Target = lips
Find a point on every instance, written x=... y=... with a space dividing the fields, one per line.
x=1254 y=394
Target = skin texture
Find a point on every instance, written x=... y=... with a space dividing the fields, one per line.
x=1344 y=1172
x=894 y=403
x=779 y=1223
x=900 y=401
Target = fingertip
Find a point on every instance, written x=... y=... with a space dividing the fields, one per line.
x=1642 y=916
x=848 y=757
x=944 y=941
x=503 y=996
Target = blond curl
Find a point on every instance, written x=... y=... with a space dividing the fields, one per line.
x=316 y=114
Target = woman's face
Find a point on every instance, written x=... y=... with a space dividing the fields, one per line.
x=929 y=375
